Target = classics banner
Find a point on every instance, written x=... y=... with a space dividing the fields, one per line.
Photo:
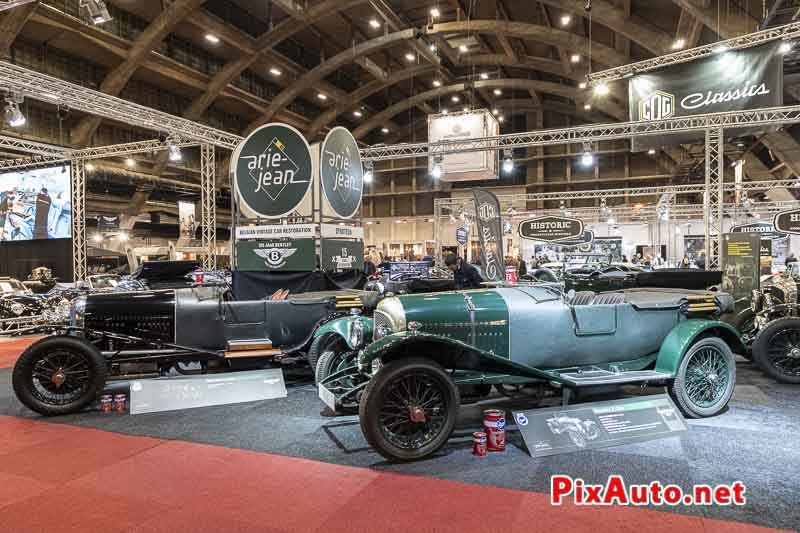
x=490 y=234
x=750 y=78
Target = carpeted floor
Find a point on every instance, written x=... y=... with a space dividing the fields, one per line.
x=143 y=461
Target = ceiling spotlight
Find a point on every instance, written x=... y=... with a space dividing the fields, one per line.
x=174 y=153
x=651 y=151
x=601 y=89
x=611 y=220
x=678 y=44
x=444 y=111
x=384 y=130
x=358 y=114
x=587 y=159
x=437 y=170
x=437 y=83
x=587 y=107
x=89 y=167
x=463 y=48
x=495 y=111
x=213 y=39
x=720 y=48
x=14 y=116
x=410 y=57
x=96 y=10
x=575 y=58
x=97 y=237
x=122 y=236
x=785 y=47
x=565 y=20
x=484 y=76
x=582 y=85
x=435 y=13
x=374 y=23
x=501 y=118
x=465 y=110
x=508 y=161
x=455 y=98
x=497 y=92
x=275 y=72
x=432 y=47
x=368 y=171
x=322 y=96
x=130 y=162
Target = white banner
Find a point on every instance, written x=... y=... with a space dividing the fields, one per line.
x=186 y=213
x=276 y=231
x=335 y=231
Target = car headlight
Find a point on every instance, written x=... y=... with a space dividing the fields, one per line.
x=77 y=314
x=356 y=337
x=755 y=302
x=375 y=366
x=17 y=308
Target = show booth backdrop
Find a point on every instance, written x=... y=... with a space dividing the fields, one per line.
x=36 y=222
x=297 y=211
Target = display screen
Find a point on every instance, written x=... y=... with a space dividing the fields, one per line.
x=35 y=204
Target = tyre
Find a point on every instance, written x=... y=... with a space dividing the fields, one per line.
x=327 y=362
x=705 y=379
x=329 y=342
x=409 y=409
x=746 y=326
x=776 y=350
x=59 y=375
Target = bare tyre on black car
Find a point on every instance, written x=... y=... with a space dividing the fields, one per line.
x=409 y=409
x=59 y=375
x=776 y=350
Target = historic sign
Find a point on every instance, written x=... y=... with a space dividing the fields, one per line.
x=462 y=235
x=341 y=172
x=765 y=229
x=276 y=255
x=272 y=171
x=551 y=229
x=490 y=233
x=598 y=424
x=788 y=221
x=337 y=231
x=339 y=255
x=276 y=231
x=586 y=238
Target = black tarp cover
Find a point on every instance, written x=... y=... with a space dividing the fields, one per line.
x=257 y=285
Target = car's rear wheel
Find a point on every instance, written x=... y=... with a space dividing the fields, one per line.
x=409 y=409
x=705 y=379
x=329 y=342
x=59 y=375
x=776 y=350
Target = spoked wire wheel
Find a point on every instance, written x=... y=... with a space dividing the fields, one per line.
x=776 y=350
x=60 y=377
x=705 y=379
x=409 y=409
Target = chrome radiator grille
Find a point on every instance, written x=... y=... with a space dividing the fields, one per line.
x=381 y=319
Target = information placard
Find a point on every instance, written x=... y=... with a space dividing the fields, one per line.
x=339 y=255
x=598 y=424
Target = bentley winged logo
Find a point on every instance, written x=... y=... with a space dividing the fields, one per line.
x=275 y=257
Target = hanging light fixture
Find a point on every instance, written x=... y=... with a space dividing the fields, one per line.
x=13 y=115
x=437 y=171
x=508 y=161
x=174 y=152
x=96 y=10
x=368 y=171
x=587 y=159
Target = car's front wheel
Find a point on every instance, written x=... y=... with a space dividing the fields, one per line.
x=776 y=350
x=705 y=379
x=409 y=409
x=59 y=375
x=329 y=342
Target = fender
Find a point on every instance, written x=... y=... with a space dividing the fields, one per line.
x=341 y=326
x=684 y=335
x=452 y=354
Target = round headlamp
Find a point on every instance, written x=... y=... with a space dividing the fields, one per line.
x=77 y=314
x=755 y=302
x=17 y=308
x=356 y=333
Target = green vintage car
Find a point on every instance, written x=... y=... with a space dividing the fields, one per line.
x=425 y=350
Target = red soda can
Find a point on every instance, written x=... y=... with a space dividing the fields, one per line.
x=119 y=403
x=105 y=403
x=494 y=424
x=479 y=444
x=511 y=274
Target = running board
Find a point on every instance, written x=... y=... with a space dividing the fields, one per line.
x=596 y=376
x=243 y=345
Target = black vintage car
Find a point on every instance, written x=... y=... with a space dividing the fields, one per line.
x=620 y=277
x=150 y=333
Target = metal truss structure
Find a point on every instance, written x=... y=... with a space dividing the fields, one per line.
x=209 y=206
x=114 y=150
x=78 y=201
x=11 y=326
x=30 y=147
x=787 y=31
x=32 y=84
x=713 y=199
x=591 y=133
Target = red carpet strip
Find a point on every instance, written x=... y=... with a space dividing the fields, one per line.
x=67 y=479
x=10 y=349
